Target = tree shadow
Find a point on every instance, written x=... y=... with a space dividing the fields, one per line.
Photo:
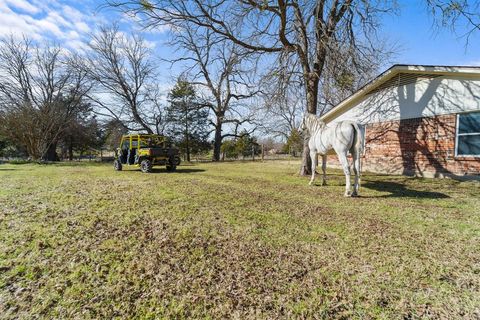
x=412 y=124
x=400 y=190
x=179 y=170
x=415 y=135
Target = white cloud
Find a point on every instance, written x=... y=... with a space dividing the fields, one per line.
x=23 y=6
x=150 y=44
x=68 y=23
x=72 y=13
x=48 y=26
x=82 y=26
x=58 y=19
x=77 y=46
x=46 y=20
x=73 y=34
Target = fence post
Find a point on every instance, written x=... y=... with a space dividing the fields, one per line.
x=263 y=152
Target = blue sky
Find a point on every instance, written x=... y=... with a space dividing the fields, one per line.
x=69 y=23
x=422 y=43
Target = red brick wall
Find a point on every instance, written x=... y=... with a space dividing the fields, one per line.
x=421 y=146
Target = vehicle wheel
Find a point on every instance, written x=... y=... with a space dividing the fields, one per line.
x=117 y=165
x=146 y=166
x=177 y=160
x=172 y=164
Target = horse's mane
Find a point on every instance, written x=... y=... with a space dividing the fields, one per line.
x=313 y=123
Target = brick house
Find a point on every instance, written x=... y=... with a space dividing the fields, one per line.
x=419 y=120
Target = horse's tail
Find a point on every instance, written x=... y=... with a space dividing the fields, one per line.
x=358 y=138
x=357 y=147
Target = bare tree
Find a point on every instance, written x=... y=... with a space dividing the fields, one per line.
x=457 y=15
x=283 y=118
x=282 y=99
x=311 y=31
x=124 y=75
x=343 y=75
x=40 y=95
x=155 y=114
x=221 y=69
x=283 y=105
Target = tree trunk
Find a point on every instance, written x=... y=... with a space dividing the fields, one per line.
x=312 y=98
x=51 y=154
x=70 y=150
x=306 y=168
x=187 y=147
x=217 y=144
x=187 y=140
x=187 y=150
x=138 y=119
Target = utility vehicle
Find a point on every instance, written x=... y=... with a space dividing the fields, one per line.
x=146 y=151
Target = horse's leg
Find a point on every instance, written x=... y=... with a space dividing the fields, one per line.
x=313 y=157
x=356 y=170
x=342 y=156
x=324 y=170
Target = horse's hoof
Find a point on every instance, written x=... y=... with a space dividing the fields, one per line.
x=324 y=183
x=354 y=194
x=310 y=183
x=347 y=194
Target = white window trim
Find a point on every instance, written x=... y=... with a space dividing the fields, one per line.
x=463 y=134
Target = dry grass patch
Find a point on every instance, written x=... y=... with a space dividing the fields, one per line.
x=234 y=240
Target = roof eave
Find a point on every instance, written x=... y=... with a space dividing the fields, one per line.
x=385 y=76
x=388 y=74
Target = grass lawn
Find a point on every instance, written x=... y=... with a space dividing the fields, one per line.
x=234 y=240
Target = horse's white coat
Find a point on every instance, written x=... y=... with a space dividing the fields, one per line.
x=343 y=137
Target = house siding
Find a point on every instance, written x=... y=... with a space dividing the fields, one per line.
x=418 y=146
x=410 y=124
x=424 y=97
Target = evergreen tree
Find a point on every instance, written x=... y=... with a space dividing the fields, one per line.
x=113 y=130
x=187 y=120
x=247 y=145
x=294 y=143
x=228 y=149
x=82 y=134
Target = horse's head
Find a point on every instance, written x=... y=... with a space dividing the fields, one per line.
x=311 y=123
x=303 y=124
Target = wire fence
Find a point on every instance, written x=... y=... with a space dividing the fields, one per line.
x=103 y=155
x=193 y=159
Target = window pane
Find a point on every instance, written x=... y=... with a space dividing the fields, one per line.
x=469 y=123
x=469 y=145
x=126 y=144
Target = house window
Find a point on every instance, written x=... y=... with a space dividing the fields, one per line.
x=468 y=134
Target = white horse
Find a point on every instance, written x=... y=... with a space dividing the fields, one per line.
x=343 y=136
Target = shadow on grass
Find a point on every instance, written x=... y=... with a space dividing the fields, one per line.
x=399 y=190
x=179 y=170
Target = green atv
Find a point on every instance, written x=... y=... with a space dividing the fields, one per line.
x=145 y=151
